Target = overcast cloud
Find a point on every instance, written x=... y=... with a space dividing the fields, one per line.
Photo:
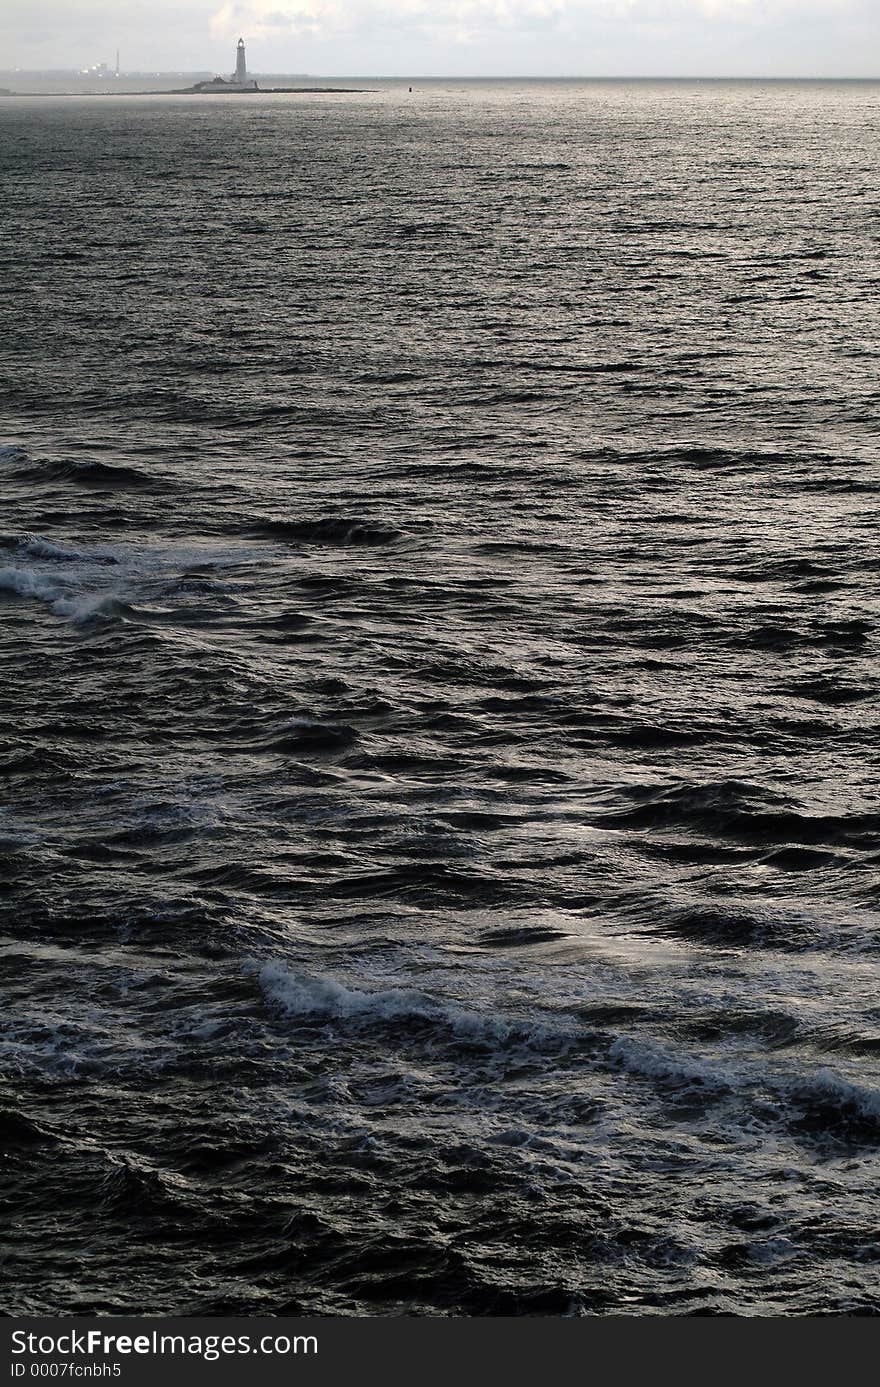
x=452 y=37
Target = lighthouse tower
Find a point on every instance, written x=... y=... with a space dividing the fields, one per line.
x=240 y=64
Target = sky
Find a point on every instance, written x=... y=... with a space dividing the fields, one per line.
x=410 y=38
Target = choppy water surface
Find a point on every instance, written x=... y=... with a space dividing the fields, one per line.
x=439 y=588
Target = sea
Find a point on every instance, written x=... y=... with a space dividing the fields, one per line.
x=439 y=574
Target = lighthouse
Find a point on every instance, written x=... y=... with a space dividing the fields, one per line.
x=238 y=82
x=241 y=76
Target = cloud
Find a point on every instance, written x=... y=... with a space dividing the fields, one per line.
x=262 y=18
x=483 y=25
x=464 y=20
x=447 y=36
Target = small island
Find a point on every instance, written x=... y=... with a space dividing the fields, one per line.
x=241 y=84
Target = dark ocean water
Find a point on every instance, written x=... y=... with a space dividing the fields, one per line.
x=439 y=577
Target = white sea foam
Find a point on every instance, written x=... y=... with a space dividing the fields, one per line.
x=793 y=1091
x=28 y=582
x=86 y=607
x=46 y=549
x=62 y=597
x=652 y=1061
x=824 y=1086
x=298 y=994
x=81 y=585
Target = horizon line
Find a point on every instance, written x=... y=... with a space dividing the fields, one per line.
x=460 y=77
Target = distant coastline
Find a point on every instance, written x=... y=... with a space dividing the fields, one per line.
x=200 y=90
x=61 y=84
x=209 y=89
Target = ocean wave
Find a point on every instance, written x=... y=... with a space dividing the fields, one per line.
x=94 y=474
x=12 y=452
x=308 y=996
x=40 y=548
x=83 y=584
x=668 y=1068
x=333 y=532
x=737 y=809
x=76 y=607
x=304 y=734
x=825 y=1104
x=26 y=582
